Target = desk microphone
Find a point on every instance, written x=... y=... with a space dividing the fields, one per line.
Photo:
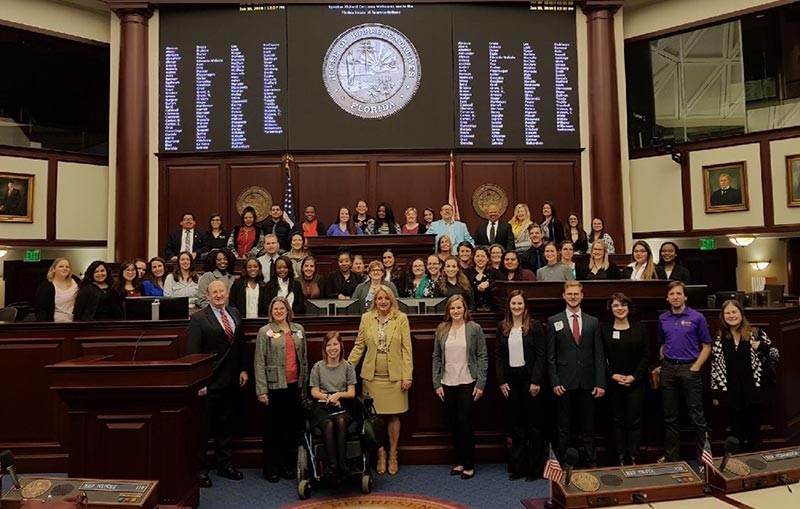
x=136 y=347
x=7 y=461
x=570 y=459
x=731 y=446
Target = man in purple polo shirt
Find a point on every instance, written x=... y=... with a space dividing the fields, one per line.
x=685 y=347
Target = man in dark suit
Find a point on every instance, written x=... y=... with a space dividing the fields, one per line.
x=217 y=329
x=726 y=195
x=494 y=231
x=577 y=368
x=11 y=201
x=275 y=224
x=185 y=239
x=533 y=258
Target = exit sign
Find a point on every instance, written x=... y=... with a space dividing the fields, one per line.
x=708 y=244
x=33 y=255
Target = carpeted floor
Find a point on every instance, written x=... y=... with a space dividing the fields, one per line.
x=489 y=489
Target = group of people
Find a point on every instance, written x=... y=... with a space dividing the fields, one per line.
x=567 y=363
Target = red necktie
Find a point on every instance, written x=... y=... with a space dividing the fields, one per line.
x=226 y=324
x=576 y=329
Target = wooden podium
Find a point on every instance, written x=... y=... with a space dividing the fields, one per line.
x=134 y=420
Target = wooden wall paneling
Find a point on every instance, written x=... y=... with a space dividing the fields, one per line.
x=268 y=175
x=474 y=174
x=403 y=184
x=23 y=360
x=122 y=347
x=190 y=188
x=556 y=180
x=331 y=184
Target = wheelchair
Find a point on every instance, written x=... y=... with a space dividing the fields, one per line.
x=312 y=456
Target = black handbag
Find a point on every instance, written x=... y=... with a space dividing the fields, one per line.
x=374 y=430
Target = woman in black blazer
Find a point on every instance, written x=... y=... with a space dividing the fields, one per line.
x=520 y=360
x=626 y=346
x=97 y=300
x=283 y=284
x=252 y=278
x=642 y=265
x=668 y=261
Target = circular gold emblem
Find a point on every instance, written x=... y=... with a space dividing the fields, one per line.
x=36 y=488
x=486 y=195
x=256 y=197
x=585 y=482
x=737 y=467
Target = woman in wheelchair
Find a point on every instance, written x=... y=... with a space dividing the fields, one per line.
x=333 y=386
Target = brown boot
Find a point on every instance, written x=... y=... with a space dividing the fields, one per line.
x=393 y=466
x=380 y=468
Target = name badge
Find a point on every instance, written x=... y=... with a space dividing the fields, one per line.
x=615 y=334
x=559 y=326
x=299 y=335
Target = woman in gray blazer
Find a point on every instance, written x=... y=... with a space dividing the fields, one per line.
x=460 y=362
x=281 y=371
x=365 y=291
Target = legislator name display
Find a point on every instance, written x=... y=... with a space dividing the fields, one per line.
x=318 y=77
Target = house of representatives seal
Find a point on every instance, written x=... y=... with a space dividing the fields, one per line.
x=371 y=70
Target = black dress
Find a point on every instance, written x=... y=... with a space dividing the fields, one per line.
x=336 y=283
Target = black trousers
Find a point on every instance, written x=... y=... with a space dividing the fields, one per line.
x=459 y=406
x=217 y=410
x=282 y=427
x=626 y=410
x=745 y=424
x=678 y=380
x=577 y=406
x=528 y=453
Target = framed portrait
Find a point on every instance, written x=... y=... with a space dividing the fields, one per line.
x=16 y=198
x=793 y=180
x=725 y=187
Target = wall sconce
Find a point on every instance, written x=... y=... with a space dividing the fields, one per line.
x=3 y=252
x=760 y=265
x=742 y=240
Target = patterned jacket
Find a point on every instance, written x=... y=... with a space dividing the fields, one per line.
x=765 y=353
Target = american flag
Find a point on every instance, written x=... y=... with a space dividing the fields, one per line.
x=707 y=457
x=552 y=469
x=288 y=197
x=451 y=190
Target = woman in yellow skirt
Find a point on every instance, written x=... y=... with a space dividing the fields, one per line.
x=384 y=340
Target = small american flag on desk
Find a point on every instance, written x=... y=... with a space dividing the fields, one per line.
x=707 y=457
x=552 y=469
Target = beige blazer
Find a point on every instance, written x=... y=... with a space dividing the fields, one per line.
x=398 y=339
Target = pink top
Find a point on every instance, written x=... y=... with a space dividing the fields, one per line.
x=456 y=366
x=65 y=303
x=406 y=231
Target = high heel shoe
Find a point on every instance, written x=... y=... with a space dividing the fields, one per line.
x=393 y=465
x=380 y=467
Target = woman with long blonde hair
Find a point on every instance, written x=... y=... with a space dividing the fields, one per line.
x=55 y=298
x=519 y=227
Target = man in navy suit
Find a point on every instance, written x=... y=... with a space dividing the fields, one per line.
x=217 y=329
x=185 y=239
x=577 y=368
x=494 y=231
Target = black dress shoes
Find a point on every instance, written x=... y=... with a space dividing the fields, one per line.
x=289 y=474
x=272 y=477
x=230 y=473
x=203 y=480
x=514 y=476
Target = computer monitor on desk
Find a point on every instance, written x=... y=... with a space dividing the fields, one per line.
x=422 y=306
x=168 y=308
x=332 y=307
x=775 y=293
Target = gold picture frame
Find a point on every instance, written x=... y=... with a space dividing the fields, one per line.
x=793 y=180
x=16 y=197
x=725 y=187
